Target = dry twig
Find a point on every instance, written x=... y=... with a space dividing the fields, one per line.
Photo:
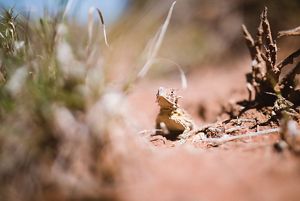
x=271 y=47
x=219 y=141
x=290 y=32
x=250 y=42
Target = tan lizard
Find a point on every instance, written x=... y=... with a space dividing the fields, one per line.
x=172 y=120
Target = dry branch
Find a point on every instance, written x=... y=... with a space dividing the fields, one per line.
x=259 y=41
x=290 y=32
x=271 y=48
x=249 y=42
x=219 y=141
x=265 y=75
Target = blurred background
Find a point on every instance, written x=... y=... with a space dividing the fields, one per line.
x=77 y=9
x=66 y=124
x=200 y=30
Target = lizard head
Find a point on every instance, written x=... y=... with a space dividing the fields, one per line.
x=167 y=98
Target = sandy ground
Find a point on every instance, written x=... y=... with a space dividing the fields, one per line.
x=248 y=169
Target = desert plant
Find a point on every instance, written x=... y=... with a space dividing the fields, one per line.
x=265 y=78
x=8 y=32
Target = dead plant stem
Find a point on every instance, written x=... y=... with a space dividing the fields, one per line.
x=251 y=134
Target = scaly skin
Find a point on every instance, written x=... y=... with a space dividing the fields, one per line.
x=172 y=119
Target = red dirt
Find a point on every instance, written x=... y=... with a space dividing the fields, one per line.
x=248 y=169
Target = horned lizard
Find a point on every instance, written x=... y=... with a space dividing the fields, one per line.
x=172 y=119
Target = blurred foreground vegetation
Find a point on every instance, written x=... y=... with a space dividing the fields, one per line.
x=62 y=89
x=53 y=142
